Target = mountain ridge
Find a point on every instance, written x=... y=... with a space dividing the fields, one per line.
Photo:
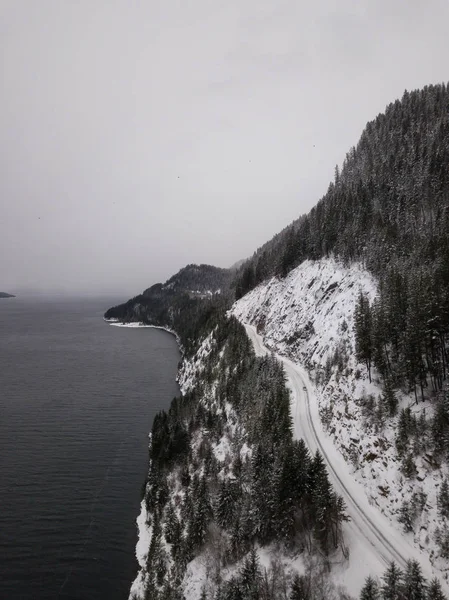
x=384 y=221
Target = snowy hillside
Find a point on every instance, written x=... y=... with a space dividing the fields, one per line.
x=309 y=317
x=310 y=312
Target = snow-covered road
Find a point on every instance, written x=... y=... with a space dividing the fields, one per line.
x=372 y=540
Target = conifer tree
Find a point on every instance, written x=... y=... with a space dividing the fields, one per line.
x=299 y=589
x=389 y=398
x=370 y=590
x=170 y=523
x=434 y=591
x=406 y=516
x=392 y=586
x=226 y=504
x=202 y=514
x=443 y=499
x=251 y=576
x=363 y=332
x=414 y=582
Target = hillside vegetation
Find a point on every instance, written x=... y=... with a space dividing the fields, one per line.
x=184 y=303
x=388 y=208
x=226 y=479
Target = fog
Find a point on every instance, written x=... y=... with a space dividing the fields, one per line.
x=139 y=136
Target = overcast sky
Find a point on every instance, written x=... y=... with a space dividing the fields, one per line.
x=137 y=136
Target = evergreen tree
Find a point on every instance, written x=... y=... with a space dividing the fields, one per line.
x=299 y=589
x=404 y=430
x=389 y=398
x=392 y=586
x=171 y=523
x=443 y=500
x=226 y=504
x=251 y=576
x=202 y=514
x=363 y=332
x=370 y=590
x=414 y=582
x=434 y=591
x=406 y=516
x=408 y=466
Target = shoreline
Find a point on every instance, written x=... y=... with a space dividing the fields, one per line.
x=140 y=324
x=137 y=589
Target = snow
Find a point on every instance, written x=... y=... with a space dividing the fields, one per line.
x=222 y=449
x=139 y=325
x=306 y=317
x=303 y=315
x=117 y=323
x=143 y=544
x=192 y=369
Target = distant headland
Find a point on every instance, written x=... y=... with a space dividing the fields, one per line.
x=5 y=295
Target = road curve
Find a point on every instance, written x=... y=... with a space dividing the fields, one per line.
x=373 y=538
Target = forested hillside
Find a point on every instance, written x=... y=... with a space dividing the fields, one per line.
x=226 y=476
x=389 y=208
x=184 y=303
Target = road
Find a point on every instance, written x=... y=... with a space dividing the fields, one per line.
x=372 y=540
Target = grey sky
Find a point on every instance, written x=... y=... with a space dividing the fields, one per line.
x=138 y=136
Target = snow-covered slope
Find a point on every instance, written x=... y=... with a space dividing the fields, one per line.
x=306 y=314
x=309 y=317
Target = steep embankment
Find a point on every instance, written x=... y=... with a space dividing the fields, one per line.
x=372 y=544
x=309 y=317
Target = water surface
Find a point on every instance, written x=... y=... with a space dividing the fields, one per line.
x=77 y=400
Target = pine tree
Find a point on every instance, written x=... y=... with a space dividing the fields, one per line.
x=299 y=589
x=251 y=576
x=440 y=425
x=443 y=500
x=392 y=586
x=408 y=466
x=414 y=582
x=363 y=332
x=263 y=492
x=370 y=590
x=403 y=431
x=434 y=591
x=202 y=514
x=290 y=255
x=233 y=590
x=406 y=516
x=226 y=504
x=380 y=336
x=171 y=523
x=389 y=398
x=322 y=500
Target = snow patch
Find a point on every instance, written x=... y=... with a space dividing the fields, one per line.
x=143 y=545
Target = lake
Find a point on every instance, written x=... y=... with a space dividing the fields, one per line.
x=77 y=401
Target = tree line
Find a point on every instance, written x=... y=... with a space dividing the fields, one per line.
x=389 y=208
x=276 y=493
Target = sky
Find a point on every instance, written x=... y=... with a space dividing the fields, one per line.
x=137 y=136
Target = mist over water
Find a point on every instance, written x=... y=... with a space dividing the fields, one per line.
x=77 y=401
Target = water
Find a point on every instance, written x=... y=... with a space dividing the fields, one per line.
x=77 y=400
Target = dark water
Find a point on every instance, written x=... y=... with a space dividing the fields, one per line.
x=77 y=400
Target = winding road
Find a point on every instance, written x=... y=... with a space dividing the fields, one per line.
x=372 y=539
